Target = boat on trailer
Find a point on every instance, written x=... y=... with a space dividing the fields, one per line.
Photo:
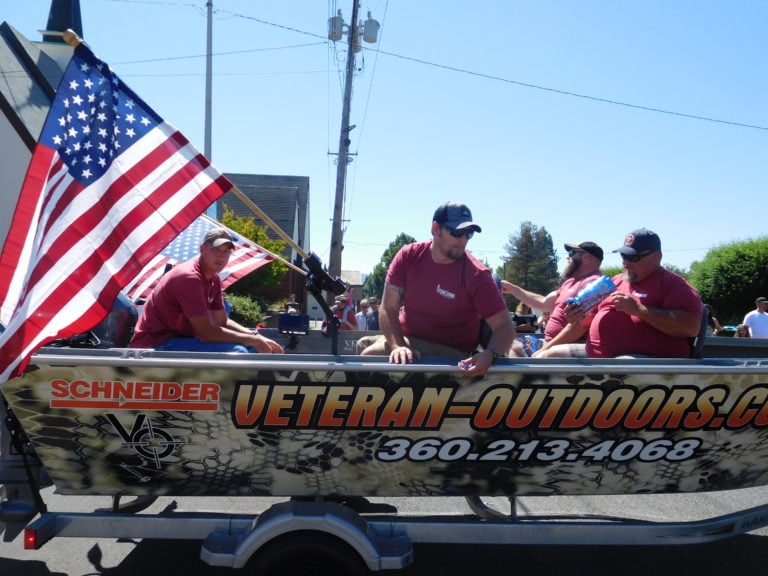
x=325 y=430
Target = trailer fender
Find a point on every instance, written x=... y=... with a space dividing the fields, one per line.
x=379 y=550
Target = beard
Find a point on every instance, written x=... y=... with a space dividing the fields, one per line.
x=573 y=266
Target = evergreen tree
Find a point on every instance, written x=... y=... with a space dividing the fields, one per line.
x=374 y=284
x=531 y=261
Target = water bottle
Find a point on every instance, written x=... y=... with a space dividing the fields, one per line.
x=594 y=293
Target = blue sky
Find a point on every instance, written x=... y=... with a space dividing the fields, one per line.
x=538 y=111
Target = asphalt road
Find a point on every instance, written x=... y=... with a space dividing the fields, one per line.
x=737 y=556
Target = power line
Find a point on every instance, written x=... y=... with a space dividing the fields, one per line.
x=573 y=94
x=488 y=76
x=533 y=86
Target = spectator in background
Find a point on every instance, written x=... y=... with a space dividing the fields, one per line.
x=713 y=326
x=524 y=318
x=742 y=331
x=292 y=305
x=541 y=327
x=344 y=313
x=362 y=315
x=757 y=319
x=373 y=315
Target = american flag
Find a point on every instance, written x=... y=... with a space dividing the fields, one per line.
x=246 y=257
x=109 y=185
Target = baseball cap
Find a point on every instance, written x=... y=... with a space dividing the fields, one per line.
x=590 y=247
x=641 y=241
x=760 y=300
x=218 y=237
x=455 y=215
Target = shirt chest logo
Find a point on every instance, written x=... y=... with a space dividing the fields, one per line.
x=445 y=293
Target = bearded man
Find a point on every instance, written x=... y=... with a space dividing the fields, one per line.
x=583 y=268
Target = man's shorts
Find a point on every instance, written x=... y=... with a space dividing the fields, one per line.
x=578 y=350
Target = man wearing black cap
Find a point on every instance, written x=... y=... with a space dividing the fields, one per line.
x=435 y=294
x=186 y=310
x=584 y=260
x=652 y=313
x=757 y=319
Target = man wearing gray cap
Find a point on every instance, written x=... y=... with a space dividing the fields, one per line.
x=186 y=310
x=757 y=319
x=435 y=294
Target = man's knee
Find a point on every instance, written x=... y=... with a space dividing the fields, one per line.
x=371 y=346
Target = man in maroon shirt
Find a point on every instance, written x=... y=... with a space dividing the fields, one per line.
x=584 y=260
x=435 y=294
x=186 y=311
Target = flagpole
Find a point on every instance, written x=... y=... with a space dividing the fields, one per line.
x=260 y=213
x=283 y=260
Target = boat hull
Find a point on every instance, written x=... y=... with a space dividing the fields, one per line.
x=150 y=423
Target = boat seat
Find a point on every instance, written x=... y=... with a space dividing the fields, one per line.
x=697 y=342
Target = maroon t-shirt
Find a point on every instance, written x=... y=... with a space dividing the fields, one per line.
x=181 y=294
x=613 y=333
x=443 y=303
x=572 y=286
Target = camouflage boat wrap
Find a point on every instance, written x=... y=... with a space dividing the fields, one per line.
x=136 y=422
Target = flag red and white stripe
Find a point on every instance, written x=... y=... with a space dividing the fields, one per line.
x=246 y=257
x=110 y=184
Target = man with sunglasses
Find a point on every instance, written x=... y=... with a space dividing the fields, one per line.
x=583 y=268
x=435 y=294
x=652 y=313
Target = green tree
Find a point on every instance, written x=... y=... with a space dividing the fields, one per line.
x=730 y=277
x=611 y=271
x=265 y=278
x=531 y=261
x=374 y=284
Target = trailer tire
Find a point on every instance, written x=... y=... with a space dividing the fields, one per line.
x=308 y=553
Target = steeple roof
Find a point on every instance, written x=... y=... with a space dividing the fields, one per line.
x=63 y=14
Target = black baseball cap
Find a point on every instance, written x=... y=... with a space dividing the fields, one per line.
x=641 y=241
x=455 y=215
x=590 y=247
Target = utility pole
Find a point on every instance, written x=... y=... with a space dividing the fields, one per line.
x=335 y=31
x=211 y=211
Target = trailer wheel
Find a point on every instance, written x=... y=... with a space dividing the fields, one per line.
x=308 y=553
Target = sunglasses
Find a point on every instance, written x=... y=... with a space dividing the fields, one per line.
x=459 y=233
x=571 y=253
x=636 y=257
